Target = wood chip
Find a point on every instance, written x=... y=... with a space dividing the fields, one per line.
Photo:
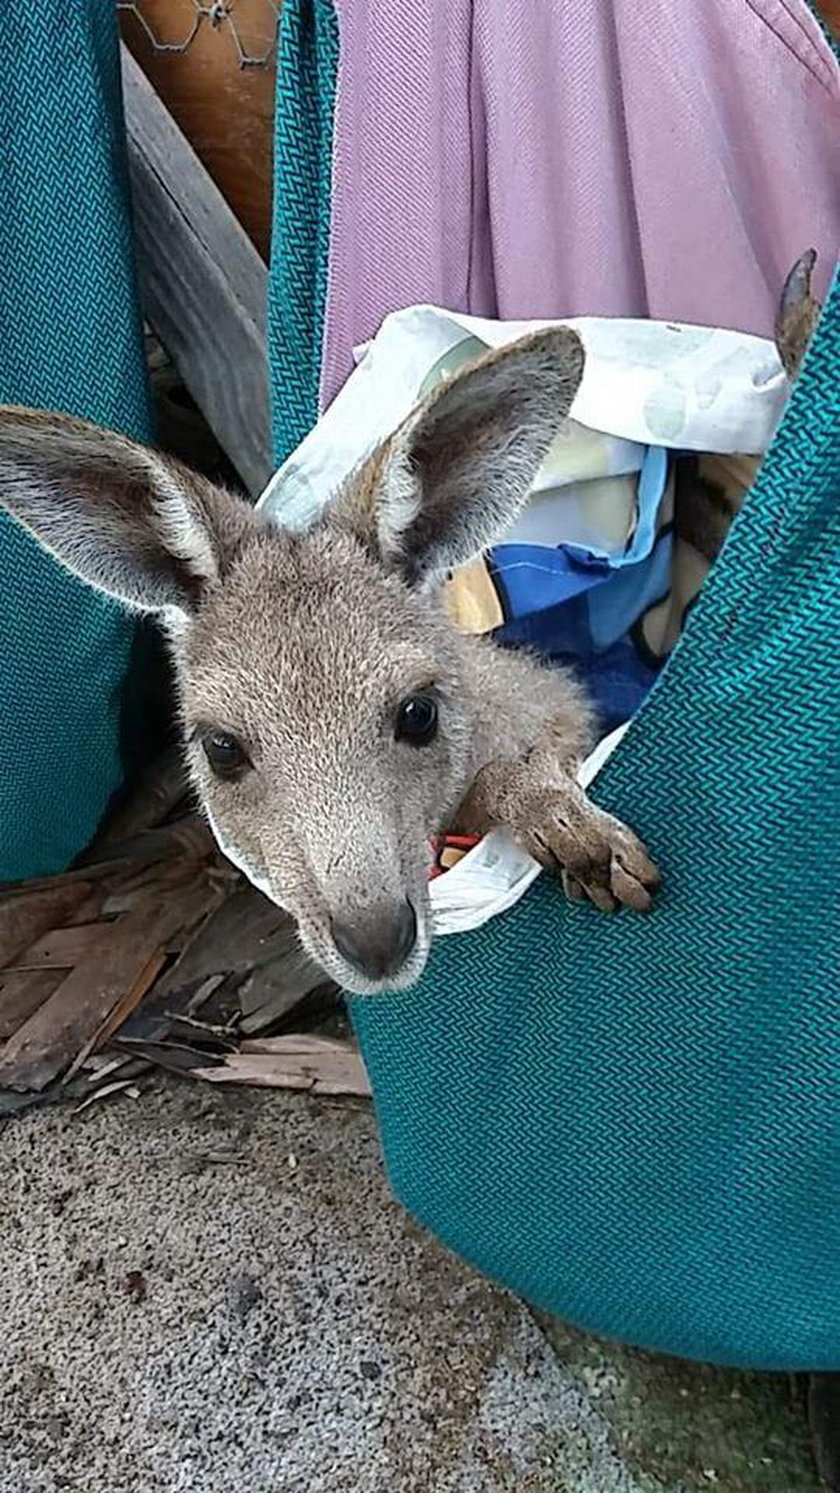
x=21 y=995
x=315 y=1065
x=123 y=1008
x=112 y=971
x=119 y=1086
x=25 y=914
x=63 y=948
x=175 y=1057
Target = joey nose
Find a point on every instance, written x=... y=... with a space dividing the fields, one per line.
x=378 y=943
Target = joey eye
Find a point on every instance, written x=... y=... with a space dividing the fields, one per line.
x=227 y=756
x=417 y=720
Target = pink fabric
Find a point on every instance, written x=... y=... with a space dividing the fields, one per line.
x=526 y=158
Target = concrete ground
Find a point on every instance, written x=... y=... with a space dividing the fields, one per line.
x=212 y=1292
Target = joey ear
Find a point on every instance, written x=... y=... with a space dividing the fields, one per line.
x=455 y=474
x=127 y=520
x=797 y=315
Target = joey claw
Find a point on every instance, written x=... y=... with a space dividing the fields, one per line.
x=633 y=876
x=597 y=856
x=572 y=887
x=629 y=892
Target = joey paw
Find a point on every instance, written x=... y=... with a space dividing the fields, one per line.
x=597 y=856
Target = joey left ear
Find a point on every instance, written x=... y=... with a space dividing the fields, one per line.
x=125 y=519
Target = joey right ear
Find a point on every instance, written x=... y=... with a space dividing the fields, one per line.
x=127 y=520
x=455 y=474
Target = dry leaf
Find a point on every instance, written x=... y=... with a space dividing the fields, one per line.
x=246 y=931
x=100 y=1064
x=175 y=1057
x=66 y=879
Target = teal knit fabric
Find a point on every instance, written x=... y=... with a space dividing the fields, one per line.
x=636 y=1122
x=633 y=1121
x=307 y=68
x=69 y=340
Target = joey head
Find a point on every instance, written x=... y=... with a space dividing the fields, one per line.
x=334 y=720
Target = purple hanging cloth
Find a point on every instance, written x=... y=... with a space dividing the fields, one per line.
x=527 y=158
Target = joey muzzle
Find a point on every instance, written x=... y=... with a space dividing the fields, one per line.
x=379 y=941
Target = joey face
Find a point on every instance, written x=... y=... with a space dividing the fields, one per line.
x=329 y=728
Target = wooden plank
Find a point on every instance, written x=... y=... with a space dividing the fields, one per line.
x=204 y=285
x=225 y=110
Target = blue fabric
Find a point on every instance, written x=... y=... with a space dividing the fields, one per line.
x=69 y=340
x=307 y=68
x=533 y=577
x=634 y=1122
x=582 y=607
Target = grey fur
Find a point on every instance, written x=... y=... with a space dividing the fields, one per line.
x=303 y=646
